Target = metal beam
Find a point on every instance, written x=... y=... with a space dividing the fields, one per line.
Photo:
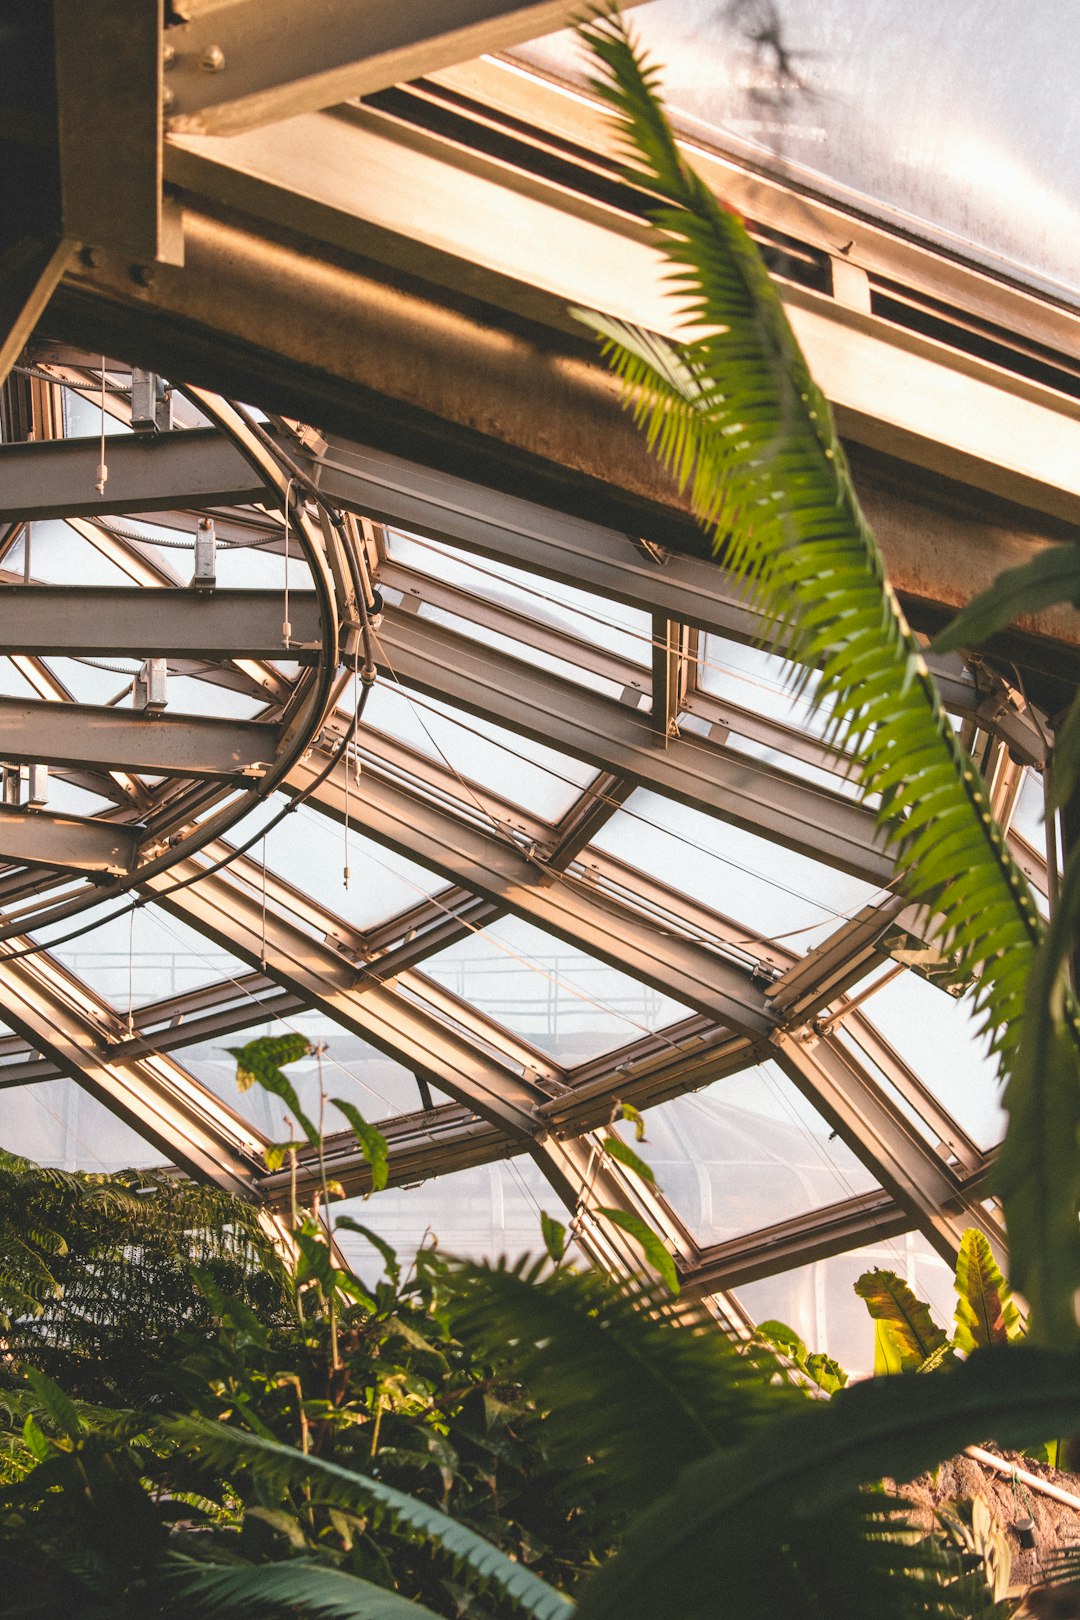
x=106 y=620
x=614 y=737
x=62 y=1020
x=242 y=63
x=497 y=869
x=882 y=1137
x=78 y=734
x=147 y=473
x=695 y=590
x=30 y=270
x=108 y=83
x=232 y=915
x=73 y=843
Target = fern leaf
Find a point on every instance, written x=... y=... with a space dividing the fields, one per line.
x=329 y=1484
x=730 y=1522
x=300 y=1586
x=737 y=418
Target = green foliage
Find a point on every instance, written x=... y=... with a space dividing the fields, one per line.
x=325 y=1483
x=616 y=1148
x=909 y=1329
x=777 y=1524
x=985 y=1312
x=300 y=1586
x=651 y=1244
x=374 y=1144
x=259 y=1063
x=820 y=1370
x=736 y=416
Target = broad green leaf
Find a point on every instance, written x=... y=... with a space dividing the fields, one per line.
x=888 y=1356
x=616 y=1148
x=1065 y=761
x=554 y=1233
x=389 y=1255
x=1037 y=1173
x=1053 y=576
x=372 y=1142
x=627 y=1111
x=58 y=1405
x=782 y=1338
x=985 y=1312
x=910 y=1325
x=259 y=1064
x=651 y=1245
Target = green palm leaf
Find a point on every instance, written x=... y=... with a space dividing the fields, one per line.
x=737 y=1521
x=736 y=416
x=328 y=1484
x=628 y=1394
x=299 y=1586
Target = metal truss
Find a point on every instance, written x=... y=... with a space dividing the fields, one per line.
x=422 y=273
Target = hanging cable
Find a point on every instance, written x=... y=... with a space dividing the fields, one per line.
x=103 y=471
x=286 y=628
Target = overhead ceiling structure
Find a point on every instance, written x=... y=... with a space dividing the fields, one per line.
x=403 y=705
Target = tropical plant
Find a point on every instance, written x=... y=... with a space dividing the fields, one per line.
x=735 y=415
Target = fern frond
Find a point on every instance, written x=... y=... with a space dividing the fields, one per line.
x=628 y=1394
x=226 y=1449
x=731 y=1521
x=299 y=1587
x=736 y=417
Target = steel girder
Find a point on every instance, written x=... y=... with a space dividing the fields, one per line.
x=614 y=737
x=73 y=843
x=497 y=869
x=147 y=473
x=110 y=620
x=134 y=740
x=30 y=271
x=62 y=1020
x=239 y=64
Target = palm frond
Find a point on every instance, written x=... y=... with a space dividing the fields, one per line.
x=736 y=416
x=627 y=1393
x=732 y=1519
x=328 y=1484
x=299 y=1587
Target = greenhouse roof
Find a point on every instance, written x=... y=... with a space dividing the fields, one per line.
x=584 y=844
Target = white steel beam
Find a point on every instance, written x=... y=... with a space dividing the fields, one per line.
x=238 y=64
x=76 y=734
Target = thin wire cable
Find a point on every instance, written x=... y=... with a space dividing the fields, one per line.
x=131 y=974
x=103 y=471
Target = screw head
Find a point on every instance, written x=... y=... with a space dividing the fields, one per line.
x=168 y=98
x=212 y=59
x=168 y=55
x=142 y=274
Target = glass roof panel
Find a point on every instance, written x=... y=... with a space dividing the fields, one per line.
x=352 y=1069
x=524 y=652
x=957 y=122
x=58 y=553
x=938 y=1037
x=819 y=1301
x=774 y=892
x=150 y=957
x=479 y=1214
x=542 y=781
x=747 y=1152
x=620 y=629
x=57 y=1123
x=756 y=680
x=308 y=850
x=553 y=995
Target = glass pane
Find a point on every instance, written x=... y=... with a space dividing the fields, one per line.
x=774 y=892
x=526 y=773
x=479 y=1214
x=539 y=657
x=58 y=554
x=163 y=958
x=56 y=1123
x=938 y=1036
x=819 y=1301
x=593 y=619
x=745 y=1153
x=556 y=997
x=957 y=121
x=352 y=1070
x=308 y=850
